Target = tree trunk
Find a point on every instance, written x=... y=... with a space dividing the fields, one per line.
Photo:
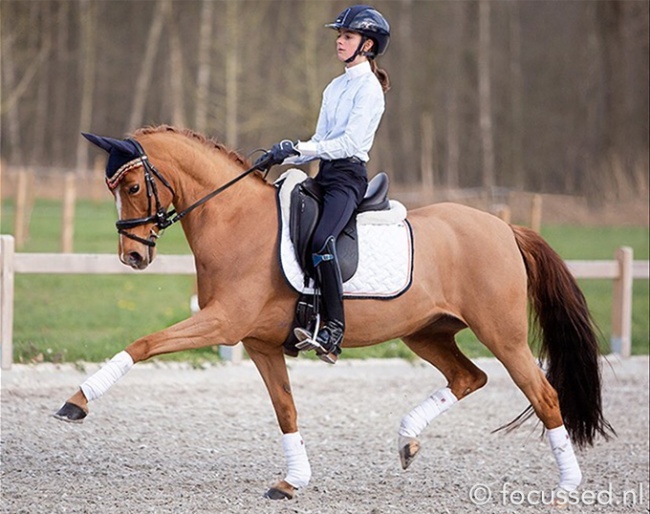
x=407 y=120
x=485 y=100
x=175 y=68
x=10 y=108
x=144 y=77
x=516 y=98
x=40 y=127
x=203 y=73
x=428 y=159
x=455 y=85
x=60 y=97
x=87 y=80
x=232 y=71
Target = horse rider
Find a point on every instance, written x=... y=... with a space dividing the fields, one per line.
x=352 y=107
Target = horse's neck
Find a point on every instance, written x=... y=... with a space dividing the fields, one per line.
x=227 y=228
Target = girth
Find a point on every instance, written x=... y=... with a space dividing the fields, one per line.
x=306 y=200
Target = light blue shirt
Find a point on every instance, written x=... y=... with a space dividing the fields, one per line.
x=353 y=104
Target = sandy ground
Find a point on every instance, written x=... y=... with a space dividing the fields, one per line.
x=171 y=439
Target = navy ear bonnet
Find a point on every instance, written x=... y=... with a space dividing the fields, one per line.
x=123 y=156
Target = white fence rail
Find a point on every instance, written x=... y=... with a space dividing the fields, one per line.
x=623 y=270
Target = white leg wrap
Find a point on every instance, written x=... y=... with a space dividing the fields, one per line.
x=294 y=451
x=97 y=384
x=416 y=420
x=570 y=474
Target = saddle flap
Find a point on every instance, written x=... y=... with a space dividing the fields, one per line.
x=347 y=249
x=304 y=214
x=303 y=217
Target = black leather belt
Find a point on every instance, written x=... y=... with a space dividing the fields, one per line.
x=352 y=160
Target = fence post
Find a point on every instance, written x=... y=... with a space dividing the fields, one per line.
x=6 y=300
x=21 y=228
x=536 y=213
x=67 y=221
x=621 y=339
x=503 y=212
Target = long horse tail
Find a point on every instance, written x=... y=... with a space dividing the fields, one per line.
x=568 y=339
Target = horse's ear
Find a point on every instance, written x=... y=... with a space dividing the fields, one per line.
x=109 y=144
x=120 y=151
x=105 y=143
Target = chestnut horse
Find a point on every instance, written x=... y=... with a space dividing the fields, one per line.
x=471 y=270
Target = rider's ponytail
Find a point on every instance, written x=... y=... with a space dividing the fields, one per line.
x=381 y=74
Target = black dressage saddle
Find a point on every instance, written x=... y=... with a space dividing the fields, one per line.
x=306 y=199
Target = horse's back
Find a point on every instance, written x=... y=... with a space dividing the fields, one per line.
x=455 y=224
x=465 y=248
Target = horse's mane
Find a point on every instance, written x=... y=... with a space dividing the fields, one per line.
x=191 y=134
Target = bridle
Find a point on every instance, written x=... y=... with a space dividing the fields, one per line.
x=161 y=217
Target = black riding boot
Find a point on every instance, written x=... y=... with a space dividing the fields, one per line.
x=327 y=342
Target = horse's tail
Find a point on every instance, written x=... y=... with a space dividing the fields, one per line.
x=569 y=343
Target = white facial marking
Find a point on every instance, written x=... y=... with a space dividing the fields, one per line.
x=118 y=205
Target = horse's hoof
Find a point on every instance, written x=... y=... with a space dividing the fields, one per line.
x=71 y=413
x=281 y=491
x=408 y=450
x=276 y=494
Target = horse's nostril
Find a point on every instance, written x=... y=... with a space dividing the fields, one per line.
x=135 y=258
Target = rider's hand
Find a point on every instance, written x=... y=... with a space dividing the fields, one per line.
x=277 y=154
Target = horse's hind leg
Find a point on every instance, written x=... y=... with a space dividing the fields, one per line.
x=463 y=377
x=516 y=356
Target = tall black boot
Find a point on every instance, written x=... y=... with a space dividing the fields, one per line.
x=327 y=342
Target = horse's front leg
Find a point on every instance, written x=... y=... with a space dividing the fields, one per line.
x=272 y=366
x=203 y=329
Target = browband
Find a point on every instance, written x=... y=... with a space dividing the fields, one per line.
x=113 y=182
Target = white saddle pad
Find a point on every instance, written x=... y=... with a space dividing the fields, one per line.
x=385 y=249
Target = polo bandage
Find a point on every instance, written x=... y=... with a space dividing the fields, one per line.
x=416 y=420
x=97 y=384
x=570 y=474
x=294 y=451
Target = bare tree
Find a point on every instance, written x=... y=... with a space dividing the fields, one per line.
x=517 y=101
x=550 y=96
x=10 y=105
x=87 y=78
x=60 y=95
x=145 y=70
x=176 y=70
x=455 y=83
x=408 y=122
x=485 y=96
x=204 y=64
x=232 y=72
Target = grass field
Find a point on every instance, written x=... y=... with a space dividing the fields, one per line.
x=92 y=317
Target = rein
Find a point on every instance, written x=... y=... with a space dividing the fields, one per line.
x=163 y=218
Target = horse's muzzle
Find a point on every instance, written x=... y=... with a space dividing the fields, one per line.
x=136 y=260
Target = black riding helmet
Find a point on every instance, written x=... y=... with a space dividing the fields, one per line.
x=368 y=22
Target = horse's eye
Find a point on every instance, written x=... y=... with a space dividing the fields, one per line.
x=134 y=189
